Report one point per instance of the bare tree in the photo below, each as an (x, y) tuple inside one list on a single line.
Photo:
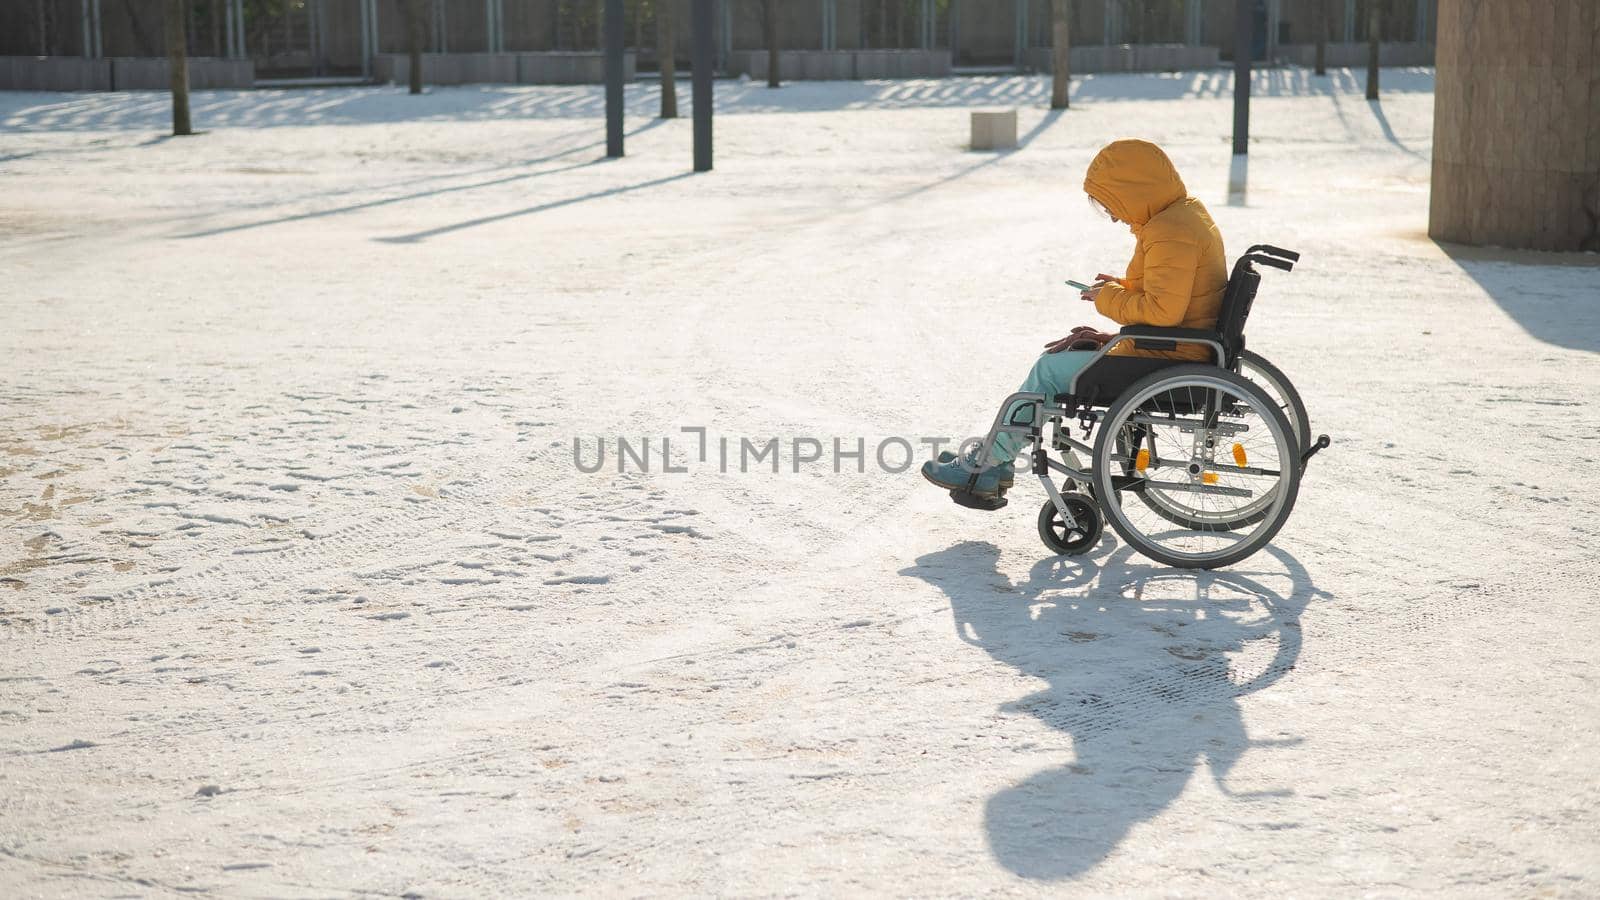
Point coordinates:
[(771, 9), (414, 43), (667, 50), (1060, 53), (178, 67), (42, 32), (1374, 32), (1322, 37)]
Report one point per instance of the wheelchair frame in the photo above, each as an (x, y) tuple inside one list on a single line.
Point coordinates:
[(1226, 344)]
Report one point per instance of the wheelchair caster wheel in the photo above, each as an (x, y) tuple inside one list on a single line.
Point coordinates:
[(1079, 539)]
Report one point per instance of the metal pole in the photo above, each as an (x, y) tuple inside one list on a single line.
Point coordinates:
[(99, 31), (1020, 50), (614, 26), (1242, 51), (704, 38)]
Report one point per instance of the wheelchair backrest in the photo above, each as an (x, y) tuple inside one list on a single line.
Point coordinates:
[(1236, 303), (1241, 293)]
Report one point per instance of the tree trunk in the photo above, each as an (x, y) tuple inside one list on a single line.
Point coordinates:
[(44, 32), (1322, 37), (667, 50), (178, 66), (1060, 53), (414, 43), (772, 44), (1374, 28)]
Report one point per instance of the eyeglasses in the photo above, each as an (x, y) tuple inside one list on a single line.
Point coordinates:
[(1099, 208)]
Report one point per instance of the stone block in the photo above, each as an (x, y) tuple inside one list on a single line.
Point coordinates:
[(994, 129)]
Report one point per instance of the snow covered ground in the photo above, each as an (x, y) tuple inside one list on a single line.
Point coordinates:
[(301, 592)]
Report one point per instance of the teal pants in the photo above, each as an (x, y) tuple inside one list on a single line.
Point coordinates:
[(1051, 375)]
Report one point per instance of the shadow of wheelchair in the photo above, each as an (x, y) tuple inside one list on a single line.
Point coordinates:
[(1144, 665)]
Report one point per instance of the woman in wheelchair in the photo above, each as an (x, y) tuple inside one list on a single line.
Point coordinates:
[(1198, 444), (1175, 279)]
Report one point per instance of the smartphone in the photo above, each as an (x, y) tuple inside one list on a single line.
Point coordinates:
[(1080, 286)]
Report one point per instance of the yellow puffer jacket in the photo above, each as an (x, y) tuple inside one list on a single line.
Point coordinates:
[(1178, 272)]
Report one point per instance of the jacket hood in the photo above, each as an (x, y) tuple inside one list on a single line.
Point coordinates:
[(1135, 180)]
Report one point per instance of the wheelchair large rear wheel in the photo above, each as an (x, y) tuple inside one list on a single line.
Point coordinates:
[(1281, 392), (1196, 467)]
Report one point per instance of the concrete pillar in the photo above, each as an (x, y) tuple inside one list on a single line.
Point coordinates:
[(1516, 124), (1193, 22), (1349, 21)]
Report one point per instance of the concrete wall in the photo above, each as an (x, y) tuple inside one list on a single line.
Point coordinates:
[(1130, 58), (843, 65), (54, 73), (554, 67), (67, 73), (1355, 55), (1516, 126), (204, 74)]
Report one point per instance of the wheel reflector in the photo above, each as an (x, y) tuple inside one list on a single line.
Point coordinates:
[(1142, 461), (1239, 456), (1209, 477)]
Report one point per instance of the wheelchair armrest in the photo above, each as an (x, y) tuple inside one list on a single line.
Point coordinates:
[(1151, 337)]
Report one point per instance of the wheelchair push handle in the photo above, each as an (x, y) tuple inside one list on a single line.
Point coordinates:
[(1268, 255), (1270, 250)]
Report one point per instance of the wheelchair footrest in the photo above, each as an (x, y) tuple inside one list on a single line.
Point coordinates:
[(973, 501)]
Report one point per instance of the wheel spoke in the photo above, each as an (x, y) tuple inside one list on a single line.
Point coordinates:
[(1200, 527)]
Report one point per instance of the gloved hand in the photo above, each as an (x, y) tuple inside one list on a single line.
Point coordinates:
[(1084, 337)]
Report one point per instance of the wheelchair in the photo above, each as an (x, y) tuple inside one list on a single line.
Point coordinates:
[(1195, 464)]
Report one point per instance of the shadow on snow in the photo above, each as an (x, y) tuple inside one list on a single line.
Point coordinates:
[(146, 110), (1555, 297), (1145, 666)]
